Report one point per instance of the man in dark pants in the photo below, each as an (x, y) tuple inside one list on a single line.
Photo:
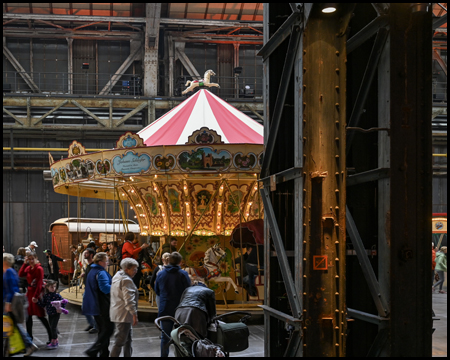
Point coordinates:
[(96, 302), (169, 286), (53, 266), (255, 253)]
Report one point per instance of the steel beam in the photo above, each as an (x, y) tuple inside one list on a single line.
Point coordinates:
[(438, 22), (14, 62), (95, 117), (366, 176), (282, 258), (151, 44), (135, 49), (124, 19), (13, 116), (186, 62), (280, 35), (366, 33), (324, 184), (38, 120), (117, 102), (367, 270), (366, 82), (281, 97), (130, 114), (361, 315), (440, 61)]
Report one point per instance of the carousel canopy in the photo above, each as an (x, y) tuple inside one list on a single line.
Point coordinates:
[(203, 109)]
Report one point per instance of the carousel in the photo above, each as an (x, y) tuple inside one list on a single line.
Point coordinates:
[(191, 174)]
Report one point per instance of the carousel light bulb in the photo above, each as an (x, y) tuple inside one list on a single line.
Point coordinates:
[(188, 226), (131, 207), (132, 191), (131, 178), (221, 188), (185, 187), (220, 202), (250, 203), (219, 213), (135, 216), (246, 214), (160, 204), (188, 214), (255, 188), (165, 227), (123, 194), (186, 203), (153, 233), (156, 176), (218, 226), (203, 232), (155, 188), (163, 214)]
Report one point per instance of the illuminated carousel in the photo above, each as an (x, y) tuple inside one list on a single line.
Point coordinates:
[(192, 174)]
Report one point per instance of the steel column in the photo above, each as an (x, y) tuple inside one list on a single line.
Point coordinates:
[(324, 117), (151, 44)]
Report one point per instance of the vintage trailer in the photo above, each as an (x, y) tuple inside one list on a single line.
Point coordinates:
[(73, 231)]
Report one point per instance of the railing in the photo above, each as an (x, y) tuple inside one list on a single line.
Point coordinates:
[(72, 83), (86, 83), (439, 92)]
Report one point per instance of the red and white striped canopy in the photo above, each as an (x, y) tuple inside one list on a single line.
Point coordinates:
[(203, 109)]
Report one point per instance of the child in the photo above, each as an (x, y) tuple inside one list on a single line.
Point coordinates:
[(53, 315)]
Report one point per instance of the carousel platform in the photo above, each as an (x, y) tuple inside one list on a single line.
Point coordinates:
[(75, 296)]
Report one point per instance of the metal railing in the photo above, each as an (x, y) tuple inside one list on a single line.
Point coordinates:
[(86, 83), (83, 83), (439, 92)]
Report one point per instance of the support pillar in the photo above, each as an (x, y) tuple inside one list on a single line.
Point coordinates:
[(152, 19)]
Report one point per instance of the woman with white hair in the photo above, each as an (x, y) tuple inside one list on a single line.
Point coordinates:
[(124, 304)]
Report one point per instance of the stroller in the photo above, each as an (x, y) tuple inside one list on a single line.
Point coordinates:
[(222, 338)]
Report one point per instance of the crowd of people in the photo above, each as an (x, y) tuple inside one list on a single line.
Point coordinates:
[(110, 301)]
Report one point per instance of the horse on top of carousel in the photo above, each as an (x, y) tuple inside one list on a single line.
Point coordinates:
[(192, 84), (210, 271)]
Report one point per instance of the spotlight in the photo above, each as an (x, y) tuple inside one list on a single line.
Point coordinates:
[(329, 8)]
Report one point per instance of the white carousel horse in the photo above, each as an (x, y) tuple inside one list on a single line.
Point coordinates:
[(210, 270), (203, 82)]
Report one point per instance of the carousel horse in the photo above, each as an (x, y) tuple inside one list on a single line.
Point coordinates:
[(210, 270), (203, 82)]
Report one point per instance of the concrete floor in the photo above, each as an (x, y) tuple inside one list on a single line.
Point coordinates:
[(74, 340)]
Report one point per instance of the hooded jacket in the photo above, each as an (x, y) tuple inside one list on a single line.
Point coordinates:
[(96, 299), (441, 261), (169, 286), (124, 298)]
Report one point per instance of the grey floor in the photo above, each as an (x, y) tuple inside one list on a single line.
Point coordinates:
[(74, 340)]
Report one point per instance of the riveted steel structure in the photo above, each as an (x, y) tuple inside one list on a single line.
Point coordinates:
[(367, 59)]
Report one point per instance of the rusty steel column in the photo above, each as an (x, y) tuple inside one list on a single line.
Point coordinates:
[(324, 106)]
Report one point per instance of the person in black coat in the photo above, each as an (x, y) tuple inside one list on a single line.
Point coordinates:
[(197, 308), (53, 266)]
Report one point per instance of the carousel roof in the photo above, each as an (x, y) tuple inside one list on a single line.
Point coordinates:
[(203, 109)]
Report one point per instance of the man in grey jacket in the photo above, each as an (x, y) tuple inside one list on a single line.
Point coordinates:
[(124, 303)]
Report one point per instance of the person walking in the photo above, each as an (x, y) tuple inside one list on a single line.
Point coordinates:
[(10, 287), (197, 307), (441, 268), (19, 259), (97, 302), (433, 264), (131, 249), (89, 254), (165, 260), (32, 247), (53, 266), (124, 305), (32, 270), (169, 286), (53, 315)]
